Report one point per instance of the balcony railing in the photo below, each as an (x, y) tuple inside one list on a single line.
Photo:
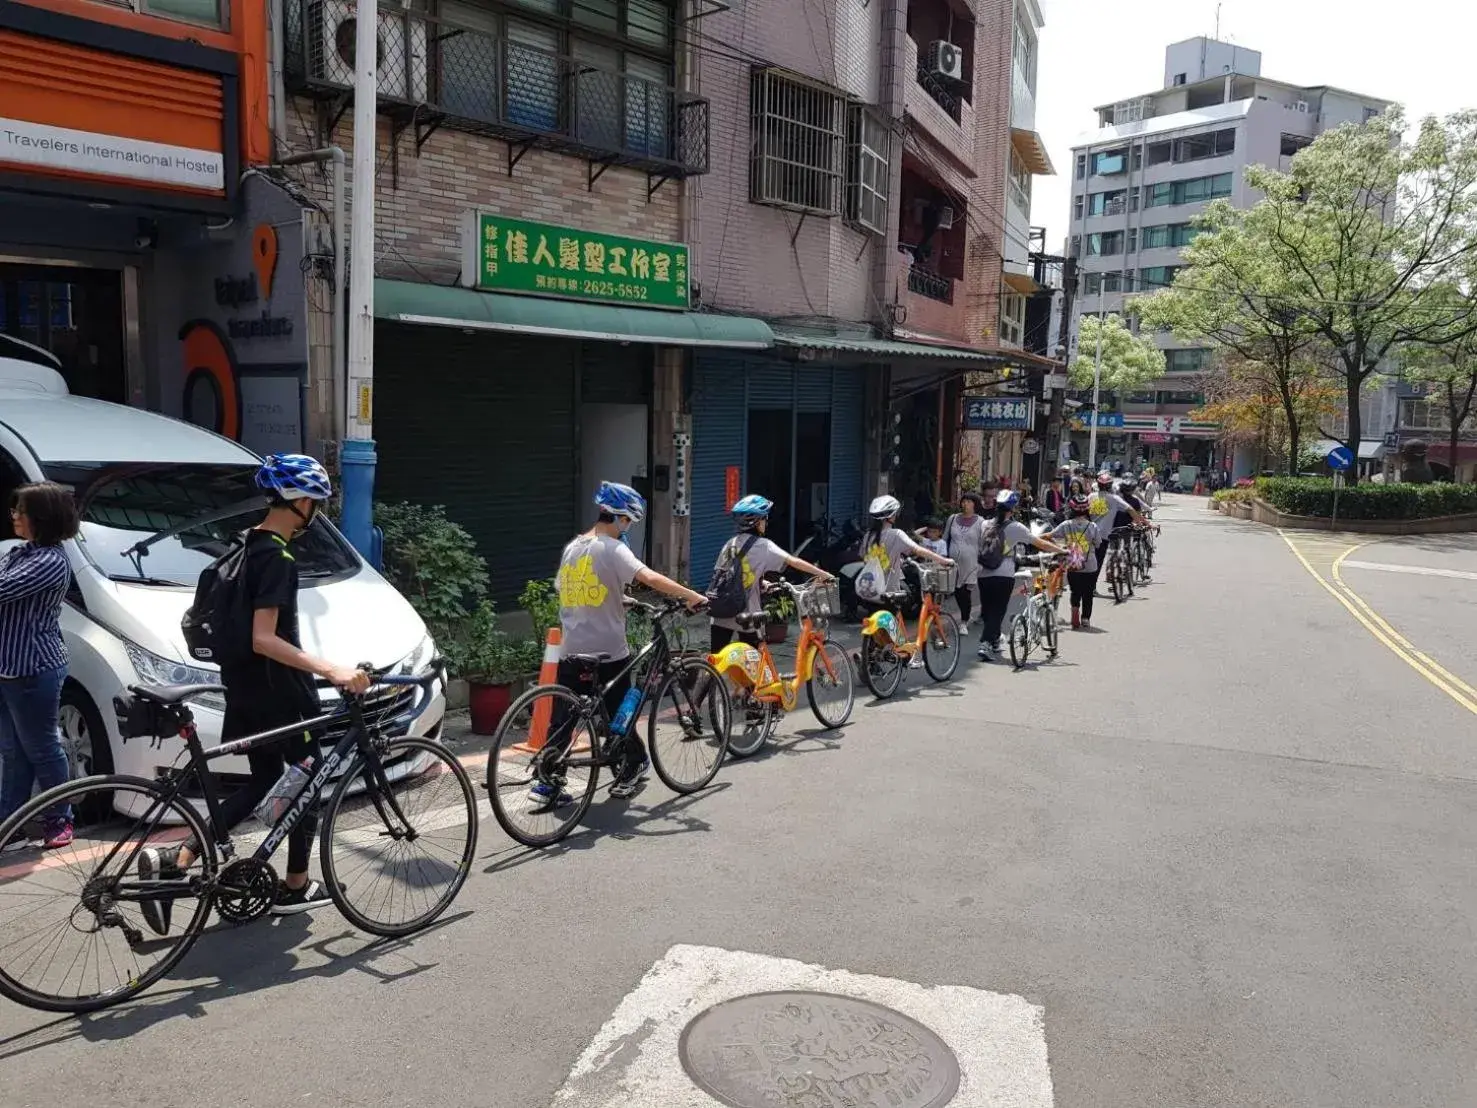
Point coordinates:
[(935, 88), (438, 73), (931, 285)]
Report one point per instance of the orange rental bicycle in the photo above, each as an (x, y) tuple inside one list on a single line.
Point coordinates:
[(761, 692), (886, 648)]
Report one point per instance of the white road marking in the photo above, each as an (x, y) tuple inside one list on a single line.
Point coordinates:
[(1424, 571), (999, 1039)]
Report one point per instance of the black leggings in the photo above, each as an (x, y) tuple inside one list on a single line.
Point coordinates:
[(577, 680), (267, 764), (719, 637), (965, 601), (1082, 583), (995, 593), (1102, 561)]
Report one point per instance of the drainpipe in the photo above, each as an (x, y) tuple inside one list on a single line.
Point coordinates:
[(335, 154), (279, 49)]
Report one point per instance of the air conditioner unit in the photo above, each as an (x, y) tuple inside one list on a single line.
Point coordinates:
[(401, 62), (946, 218), (1301, 106), (946, 60)]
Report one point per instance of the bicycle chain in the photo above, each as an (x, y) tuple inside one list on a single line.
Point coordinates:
[(245, 889)]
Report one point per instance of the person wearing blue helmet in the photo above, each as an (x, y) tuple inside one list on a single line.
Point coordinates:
[(594, 572), (757, 555), (272, 688), (1001, 536)]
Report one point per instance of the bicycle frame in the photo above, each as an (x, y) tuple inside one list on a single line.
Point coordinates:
[(892, 625), (357, 736), (769, 685)]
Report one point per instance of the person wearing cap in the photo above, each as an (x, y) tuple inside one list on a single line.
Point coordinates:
[(998, 583)]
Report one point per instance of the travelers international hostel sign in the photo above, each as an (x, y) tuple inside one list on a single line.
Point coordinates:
[(501, 254)]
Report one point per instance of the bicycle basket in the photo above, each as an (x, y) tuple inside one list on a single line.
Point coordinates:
[(939, 580), (820, 600)]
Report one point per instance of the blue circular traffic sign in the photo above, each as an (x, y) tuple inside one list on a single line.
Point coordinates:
[(1340, 457)]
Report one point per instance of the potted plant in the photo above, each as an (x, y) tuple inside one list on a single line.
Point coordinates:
[(489, 661), (780, 610)]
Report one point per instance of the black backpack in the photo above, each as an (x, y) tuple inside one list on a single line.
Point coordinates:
[(726, 594), (217, 625), (992, 545)]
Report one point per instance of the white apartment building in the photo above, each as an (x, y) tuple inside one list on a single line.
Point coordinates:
[(1154, 163)]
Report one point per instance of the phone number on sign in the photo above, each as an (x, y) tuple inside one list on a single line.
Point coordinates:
[(611, 288)]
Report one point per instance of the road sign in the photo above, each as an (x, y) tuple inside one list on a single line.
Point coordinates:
[(1340, 457)]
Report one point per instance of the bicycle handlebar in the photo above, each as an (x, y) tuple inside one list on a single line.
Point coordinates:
[(665, 607)]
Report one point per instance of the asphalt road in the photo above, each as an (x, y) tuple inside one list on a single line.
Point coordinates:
[(1222, 852)]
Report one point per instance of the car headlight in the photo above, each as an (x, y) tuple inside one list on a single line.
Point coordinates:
[(418, 661), (154, 670)]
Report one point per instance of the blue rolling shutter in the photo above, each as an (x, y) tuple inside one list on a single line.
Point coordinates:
[(771, 385), (719, 422), (848, 396), (813, 389)]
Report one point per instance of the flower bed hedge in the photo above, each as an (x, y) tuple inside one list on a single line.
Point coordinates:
[(1313, 496)]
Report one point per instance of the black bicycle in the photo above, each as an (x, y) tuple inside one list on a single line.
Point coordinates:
[(551, 744), (396, 844), (1120, 569)]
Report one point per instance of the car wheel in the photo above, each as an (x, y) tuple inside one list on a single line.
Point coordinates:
[(85, 741)]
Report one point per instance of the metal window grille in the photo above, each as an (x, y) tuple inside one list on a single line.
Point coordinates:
[(868, 154), (797, 136)]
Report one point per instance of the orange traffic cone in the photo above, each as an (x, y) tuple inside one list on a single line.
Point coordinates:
[(548, 674)]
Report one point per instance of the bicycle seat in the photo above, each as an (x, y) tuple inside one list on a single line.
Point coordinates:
[(171, 694), (586, 659), (751, 621)]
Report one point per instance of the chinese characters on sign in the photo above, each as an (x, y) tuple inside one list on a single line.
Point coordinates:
[(501, 254), (1084, 420), (991, 413)]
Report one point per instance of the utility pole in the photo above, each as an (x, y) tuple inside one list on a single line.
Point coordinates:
[(1097, 381), (357, 457)]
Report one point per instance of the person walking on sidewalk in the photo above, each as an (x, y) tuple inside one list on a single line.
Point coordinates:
[(33, 659), (1080, 537), (271, 687), (962, 536), (997, 568)]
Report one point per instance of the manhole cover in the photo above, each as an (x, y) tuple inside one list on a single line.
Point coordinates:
[(816, 1050)]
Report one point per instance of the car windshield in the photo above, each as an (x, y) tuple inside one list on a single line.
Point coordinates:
[(124, 505)]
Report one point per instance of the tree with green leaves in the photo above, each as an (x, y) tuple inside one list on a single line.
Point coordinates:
[(1359, 239), (1128, 360), (1229, 294), (1449, 370)]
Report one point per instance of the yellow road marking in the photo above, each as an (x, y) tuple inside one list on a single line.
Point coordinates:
[(1453, 687), (1394, 634)]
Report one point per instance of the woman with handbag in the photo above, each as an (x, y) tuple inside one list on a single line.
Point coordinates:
[(962, 543)]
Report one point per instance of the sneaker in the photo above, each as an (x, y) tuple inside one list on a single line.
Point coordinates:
[(1086, 623), (986, 653), (547, 796), (19, 843), (630, 783), (289, 902), (57, 834), (158, 863)]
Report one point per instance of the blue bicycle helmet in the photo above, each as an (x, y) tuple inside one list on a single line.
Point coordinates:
[(620, 500), (294, 477), (752, 508), (1007, 498)]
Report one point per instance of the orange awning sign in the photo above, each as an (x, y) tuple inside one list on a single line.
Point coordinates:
[(50, 148)]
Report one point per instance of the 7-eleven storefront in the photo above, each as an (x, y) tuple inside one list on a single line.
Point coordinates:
[(1161, 441)]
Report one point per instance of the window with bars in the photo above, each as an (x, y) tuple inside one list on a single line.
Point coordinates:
[(869, 151), (1106, 243), (1106, 203), (1189, 192), (1076, 246), (1190, 360), (1211, 145), (1133, 240), (1092, 284), (1012, 318), (1081, 166), (797, 136), (1020, 181)]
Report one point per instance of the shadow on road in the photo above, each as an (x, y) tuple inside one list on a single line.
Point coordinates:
[(241, 960)]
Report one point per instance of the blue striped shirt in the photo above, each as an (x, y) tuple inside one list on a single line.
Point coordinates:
[(33, 582)]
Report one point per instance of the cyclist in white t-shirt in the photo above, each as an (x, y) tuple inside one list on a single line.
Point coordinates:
[(759, 556)]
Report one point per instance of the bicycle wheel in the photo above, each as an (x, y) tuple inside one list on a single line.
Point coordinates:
[(1020, 640), (1143, 563), (942, 647), (1116, 574), (73, 937), (1048, 630), (754, 725), (831, 692), (395, 854), (537, 796), (882, 667), (687, 726)]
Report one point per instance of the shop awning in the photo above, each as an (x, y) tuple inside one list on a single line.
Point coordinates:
[(452, 306), (1031, 150), (1019, 282), (880, 350)]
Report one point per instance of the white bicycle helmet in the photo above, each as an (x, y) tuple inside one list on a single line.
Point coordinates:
[(884, 507)]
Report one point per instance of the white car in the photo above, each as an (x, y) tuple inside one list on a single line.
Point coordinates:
[(142, 476)]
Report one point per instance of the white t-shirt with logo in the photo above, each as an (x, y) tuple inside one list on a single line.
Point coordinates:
[(763, 557), (1103, 509), (594, 571), (889, 549)]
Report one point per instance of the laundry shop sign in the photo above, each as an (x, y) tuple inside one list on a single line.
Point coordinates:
[(503, 254)]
